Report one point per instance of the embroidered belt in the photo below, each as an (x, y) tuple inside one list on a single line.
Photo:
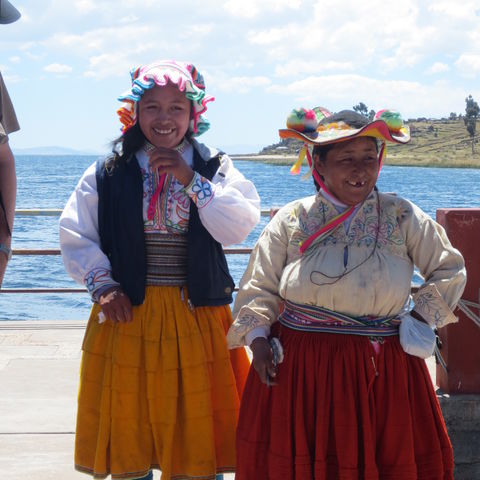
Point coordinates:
[(166, 259), (311, 318)]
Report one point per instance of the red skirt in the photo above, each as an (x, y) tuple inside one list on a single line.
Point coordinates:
[(341, 411)]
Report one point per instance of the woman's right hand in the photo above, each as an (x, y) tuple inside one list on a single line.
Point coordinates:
[(263, 360), (115, 305)]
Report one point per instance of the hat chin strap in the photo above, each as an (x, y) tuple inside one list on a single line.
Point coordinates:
[(305, 245), (381, 156), (315, 174)]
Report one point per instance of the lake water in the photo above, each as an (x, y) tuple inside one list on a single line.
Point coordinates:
[(47, 181)]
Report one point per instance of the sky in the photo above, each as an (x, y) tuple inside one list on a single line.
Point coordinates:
[(66, 62)]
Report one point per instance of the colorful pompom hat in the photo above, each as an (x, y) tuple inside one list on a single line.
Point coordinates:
[(318, 126), (184, 75), (387, 126)]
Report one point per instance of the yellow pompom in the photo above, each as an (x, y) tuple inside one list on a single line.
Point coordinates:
[(295, 170)]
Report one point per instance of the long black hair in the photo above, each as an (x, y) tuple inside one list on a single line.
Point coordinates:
[(130, 142), (126, 144), (321, 151)]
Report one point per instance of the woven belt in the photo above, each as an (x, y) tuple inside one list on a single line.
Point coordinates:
[(166, 259), (311, 318)]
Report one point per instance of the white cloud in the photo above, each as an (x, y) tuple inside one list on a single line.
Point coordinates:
[(299, 67), (336, 92), (463, 10), (107, 65), (253, 8), (15, 59), (137, 43), (11, 79), (469, 63), (57, 68), (438, 67), (390, 35), (278, 53), (85, 6), (386, 33), (25, 46), (273, 35), (202, 30), (132, 18), (322, 90), (35, 57), (242, 84)]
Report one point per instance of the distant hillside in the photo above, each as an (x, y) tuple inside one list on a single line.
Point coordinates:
[(434, 143), (438, 142), (53, 150)]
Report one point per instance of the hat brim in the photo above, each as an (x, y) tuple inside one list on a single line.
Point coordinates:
[(8, 13), (377, 129)]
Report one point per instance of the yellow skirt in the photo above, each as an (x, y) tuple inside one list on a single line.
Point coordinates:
[(160, 392)]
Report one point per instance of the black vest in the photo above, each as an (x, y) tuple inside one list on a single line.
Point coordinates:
[(120, 225)]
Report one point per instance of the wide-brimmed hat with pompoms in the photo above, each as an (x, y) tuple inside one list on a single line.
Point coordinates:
[(187, 78), (318, 126)]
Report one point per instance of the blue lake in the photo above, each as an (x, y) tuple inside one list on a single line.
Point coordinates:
[(47, 181)]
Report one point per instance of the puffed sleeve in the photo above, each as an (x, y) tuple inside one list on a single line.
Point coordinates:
[(257, 303), (441, 265), (228, 206), (79, 238)]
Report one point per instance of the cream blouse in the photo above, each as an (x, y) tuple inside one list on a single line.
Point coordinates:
[(366, 270)]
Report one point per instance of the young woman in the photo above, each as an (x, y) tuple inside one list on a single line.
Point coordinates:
[(143, 231)]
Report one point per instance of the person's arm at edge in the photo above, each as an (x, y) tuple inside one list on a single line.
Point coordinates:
[(8, 188)]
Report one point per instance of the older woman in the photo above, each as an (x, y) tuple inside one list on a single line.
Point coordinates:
[(329, 280)]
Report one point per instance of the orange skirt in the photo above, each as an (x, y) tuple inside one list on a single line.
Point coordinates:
[(342, 412), (160, 392)]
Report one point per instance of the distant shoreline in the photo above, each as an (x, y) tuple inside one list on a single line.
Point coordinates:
[(392, 160), (437, 143)]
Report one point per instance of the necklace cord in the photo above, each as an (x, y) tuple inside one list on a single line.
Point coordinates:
[(346, 271)]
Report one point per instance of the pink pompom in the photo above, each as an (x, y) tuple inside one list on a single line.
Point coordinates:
[(302, 120)]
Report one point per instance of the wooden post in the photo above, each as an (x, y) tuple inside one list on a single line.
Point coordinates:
[(461, 341)]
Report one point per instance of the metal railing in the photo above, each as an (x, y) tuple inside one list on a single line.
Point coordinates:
[(51, 212)]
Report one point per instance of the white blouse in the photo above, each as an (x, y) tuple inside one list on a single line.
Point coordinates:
[(228, 206)]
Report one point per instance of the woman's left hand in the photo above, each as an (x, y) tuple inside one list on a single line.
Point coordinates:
[(169, 160)]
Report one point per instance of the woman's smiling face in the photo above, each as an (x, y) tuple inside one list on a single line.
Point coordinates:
[(164, 115), (350, 169)]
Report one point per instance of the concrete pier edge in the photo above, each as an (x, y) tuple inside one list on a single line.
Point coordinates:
[(462, 418), (39, 363)]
